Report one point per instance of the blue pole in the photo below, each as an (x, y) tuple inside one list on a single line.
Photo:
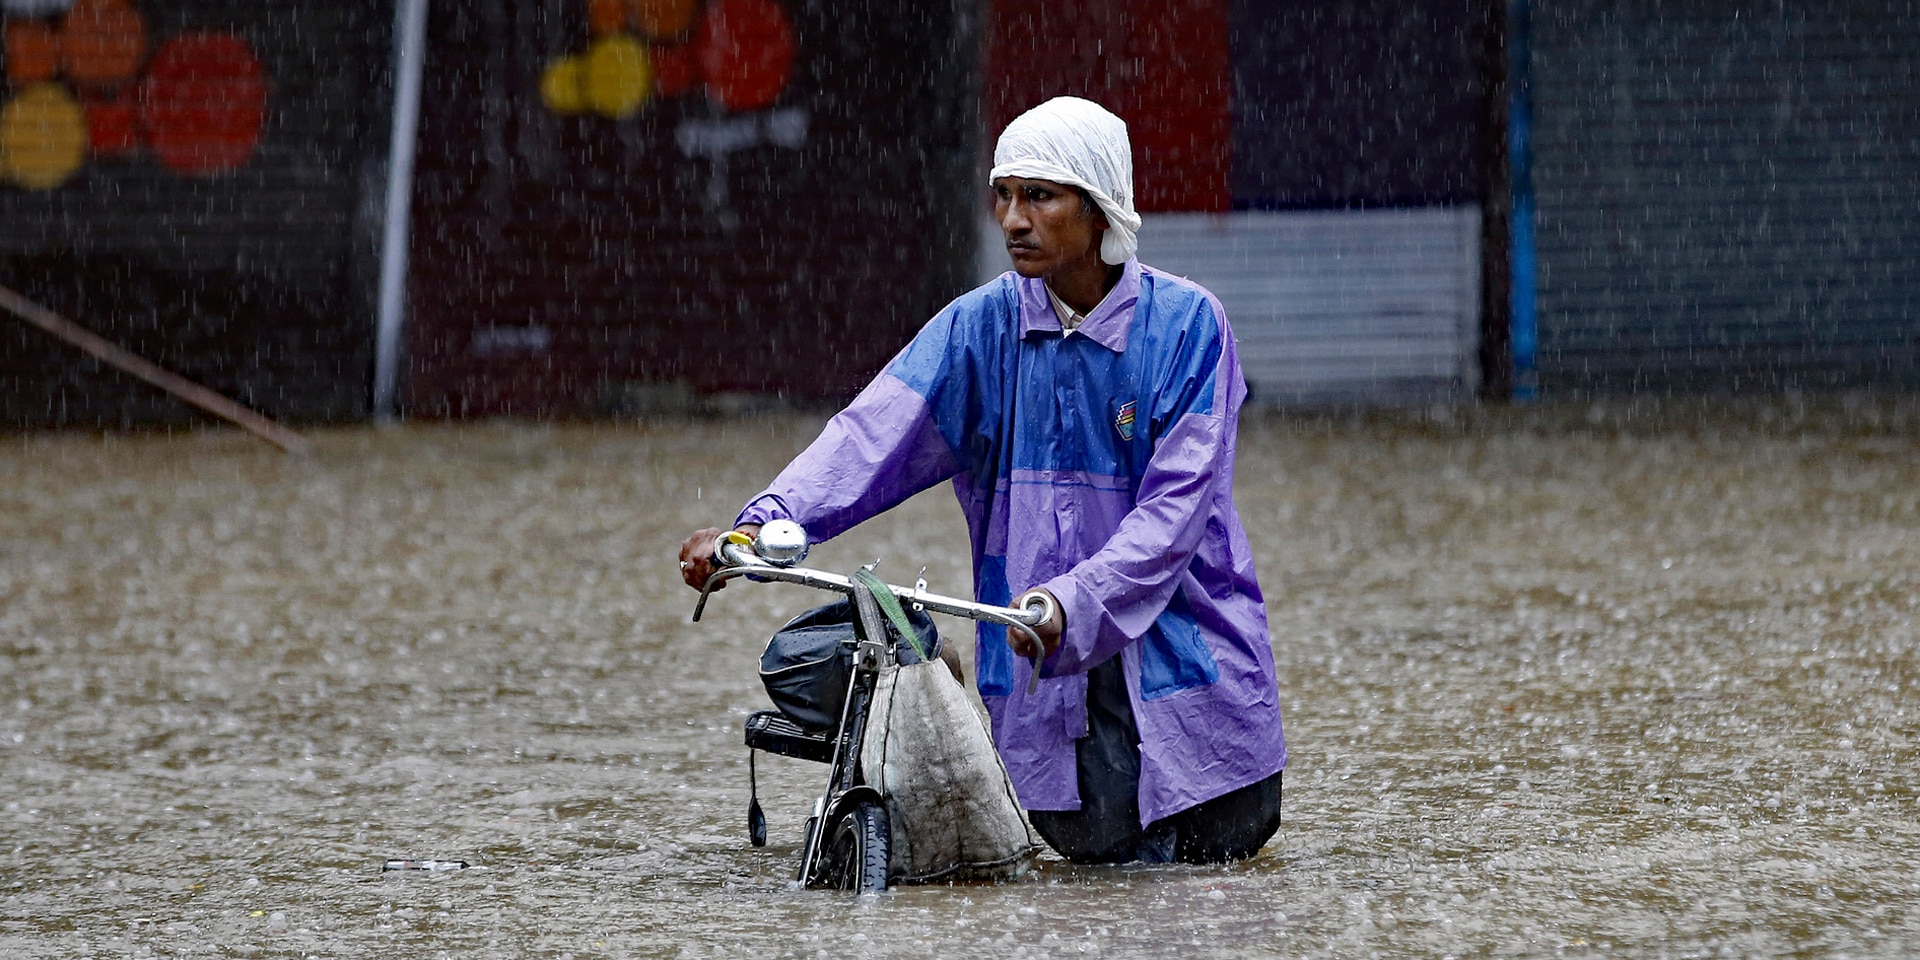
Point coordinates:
[(1524, 339)]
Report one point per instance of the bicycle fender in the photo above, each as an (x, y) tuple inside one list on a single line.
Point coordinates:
[(848, 798)]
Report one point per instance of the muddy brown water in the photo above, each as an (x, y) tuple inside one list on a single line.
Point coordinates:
[(1575, 681)]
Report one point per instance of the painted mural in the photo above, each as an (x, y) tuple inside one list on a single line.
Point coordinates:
[(86, 82), (740, 52), (670, 213)]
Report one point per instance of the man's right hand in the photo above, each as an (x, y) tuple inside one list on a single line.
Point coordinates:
[(696, 554)]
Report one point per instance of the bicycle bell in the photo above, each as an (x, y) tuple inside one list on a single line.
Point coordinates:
[(781, 543)]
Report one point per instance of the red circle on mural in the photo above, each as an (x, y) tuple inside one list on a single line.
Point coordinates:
[(203, 103), (745, 49), (674, 69), (113, 126)]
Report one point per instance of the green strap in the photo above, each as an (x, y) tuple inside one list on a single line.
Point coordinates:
[(890, 605)]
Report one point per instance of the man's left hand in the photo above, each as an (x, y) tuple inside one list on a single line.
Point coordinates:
[(1049, 631)]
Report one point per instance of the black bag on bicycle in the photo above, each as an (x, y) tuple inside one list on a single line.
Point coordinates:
[(809, 662)]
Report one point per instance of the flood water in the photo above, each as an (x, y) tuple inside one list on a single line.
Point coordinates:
[(1573, 681)]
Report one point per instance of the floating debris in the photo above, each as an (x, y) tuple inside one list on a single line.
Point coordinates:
[(423, 865)]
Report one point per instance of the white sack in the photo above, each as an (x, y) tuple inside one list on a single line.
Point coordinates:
[(1076, 142), (949, 802)]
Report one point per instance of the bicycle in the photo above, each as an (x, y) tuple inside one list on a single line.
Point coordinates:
[(846, 840)]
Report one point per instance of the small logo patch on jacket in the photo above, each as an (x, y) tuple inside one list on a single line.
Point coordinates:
[(1123, 421)]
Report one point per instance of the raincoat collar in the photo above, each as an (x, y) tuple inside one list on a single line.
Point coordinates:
[(1107, 325)]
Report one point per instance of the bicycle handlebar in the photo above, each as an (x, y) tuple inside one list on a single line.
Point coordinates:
[(740, 561)]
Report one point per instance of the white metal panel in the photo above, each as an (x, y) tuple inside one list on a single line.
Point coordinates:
[(1332, 306), (1338, 305)]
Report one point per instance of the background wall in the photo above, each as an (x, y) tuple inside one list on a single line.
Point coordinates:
[(573, 259), (227, 241), (1321, 168), (770, 195), (1729, 195)]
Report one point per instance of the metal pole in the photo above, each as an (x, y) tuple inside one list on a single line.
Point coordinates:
[(409, 56)]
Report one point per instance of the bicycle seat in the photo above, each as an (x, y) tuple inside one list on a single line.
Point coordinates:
[(771, 731)]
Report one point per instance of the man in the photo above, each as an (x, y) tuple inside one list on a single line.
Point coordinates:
[(1085, 407)]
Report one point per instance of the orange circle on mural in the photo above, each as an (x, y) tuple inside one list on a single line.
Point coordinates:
[(663, 18), (606, 16), (103, 42), (674, 69), (33, 51), (203, 103), (745, 49), (43, 137)]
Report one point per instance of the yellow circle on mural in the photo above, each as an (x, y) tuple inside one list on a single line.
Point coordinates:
[(560, 86), (616, 76), (43, 137)]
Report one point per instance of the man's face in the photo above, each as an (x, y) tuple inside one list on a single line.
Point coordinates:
[(1046, 224)]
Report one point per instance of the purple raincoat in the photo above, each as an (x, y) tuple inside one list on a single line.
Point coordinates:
[(1098, 464)]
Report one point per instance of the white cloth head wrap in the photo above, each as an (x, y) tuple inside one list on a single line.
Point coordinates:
[(1076, 142)]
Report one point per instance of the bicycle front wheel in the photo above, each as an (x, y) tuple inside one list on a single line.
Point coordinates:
[(857, 852)]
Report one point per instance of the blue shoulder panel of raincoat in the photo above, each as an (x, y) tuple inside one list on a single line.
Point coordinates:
[(966, 357)]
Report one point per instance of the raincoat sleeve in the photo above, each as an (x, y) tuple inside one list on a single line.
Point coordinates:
[(1111, 598), (883, 448)]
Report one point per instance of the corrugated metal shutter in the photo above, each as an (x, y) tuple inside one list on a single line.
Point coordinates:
[(1331, 306), (1729, 194), (1337, 306)]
